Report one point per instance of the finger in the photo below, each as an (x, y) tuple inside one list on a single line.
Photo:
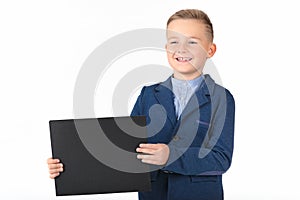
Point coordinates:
[(151, 146), (52, 161), (142, 156), (55, 166), (54, 171), (146, 158), (146, 150), (54, 175), (152, 162)]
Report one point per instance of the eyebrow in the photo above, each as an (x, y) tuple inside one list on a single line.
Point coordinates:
[(195, 38), (174, 37)]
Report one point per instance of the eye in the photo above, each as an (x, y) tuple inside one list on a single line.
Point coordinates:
[(193, 42), (173, 42)]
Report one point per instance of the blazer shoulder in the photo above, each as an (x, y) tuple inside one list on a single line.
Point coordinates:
[(149, 89), (218, 90)]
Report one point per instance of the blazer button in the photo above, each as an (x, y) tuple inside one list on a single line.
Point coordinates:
[(176, 138), (167, 172)]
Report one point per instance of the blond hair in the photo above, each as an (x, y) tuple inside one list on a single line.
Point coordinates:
[(197, 15)]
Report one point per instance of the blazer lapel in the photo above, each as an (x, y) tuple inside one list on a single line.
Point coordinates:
[(165, 97)]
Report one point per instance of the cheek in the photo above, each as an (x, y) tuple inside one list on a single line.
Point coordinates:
[(199, 52), (199, 60), (169, 56)]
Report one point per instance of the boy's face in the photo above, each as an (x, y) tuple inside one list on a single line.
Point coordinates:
[(188, 47)]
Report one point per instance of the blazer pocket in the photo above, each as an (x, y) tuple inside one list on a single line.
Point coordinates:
[(205, 178), (202, 123)]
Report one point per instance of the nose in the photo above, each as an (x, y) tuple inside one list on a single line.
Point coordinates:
[(181, 48), (181, 51)]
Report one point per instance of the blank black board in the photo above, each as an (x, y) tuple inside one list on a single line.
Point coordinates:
[(84, 173)]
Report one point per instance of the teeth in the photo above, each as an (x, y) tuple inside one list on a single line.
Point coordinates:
[(184, 59)]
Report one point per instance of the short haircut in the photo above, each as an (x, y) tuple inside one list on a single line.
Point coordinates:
[(197, 15)]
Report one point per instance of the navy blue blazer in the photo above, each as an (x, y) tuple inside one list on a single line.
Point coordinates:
[(200, 141)]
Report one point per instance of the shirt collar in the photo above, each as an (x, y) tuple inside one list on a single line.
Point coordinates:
[(194, 83)]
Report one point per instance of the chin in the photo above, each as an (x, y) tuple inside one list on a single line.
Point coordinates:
[(185, 71)]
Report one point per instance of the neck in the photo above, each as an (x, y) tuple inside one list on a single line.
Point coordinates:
[(186, 76)]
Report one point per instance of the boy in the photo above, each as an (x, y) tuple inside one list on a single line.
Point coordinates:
[(194, 147)]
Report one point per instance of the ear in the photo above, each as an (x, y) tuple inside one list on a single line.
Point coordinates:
[(212, 50)]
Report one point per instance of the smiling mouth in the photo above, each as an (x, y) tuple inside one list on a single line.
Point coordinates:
[(183, 59)]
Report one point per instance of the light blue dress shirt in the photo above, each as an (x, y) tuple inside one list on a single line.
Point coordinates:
[(183, 90)]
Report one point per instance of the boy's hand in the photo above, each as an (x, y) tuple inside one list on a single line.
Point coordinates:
[(55, 167), (157, 154)]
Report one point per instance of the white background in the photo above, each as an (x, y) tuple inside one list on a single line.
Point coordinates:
[(44, 43)]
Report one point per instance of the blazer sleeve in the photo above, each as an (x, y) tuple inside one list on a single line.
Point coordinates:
[(218, 159)]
